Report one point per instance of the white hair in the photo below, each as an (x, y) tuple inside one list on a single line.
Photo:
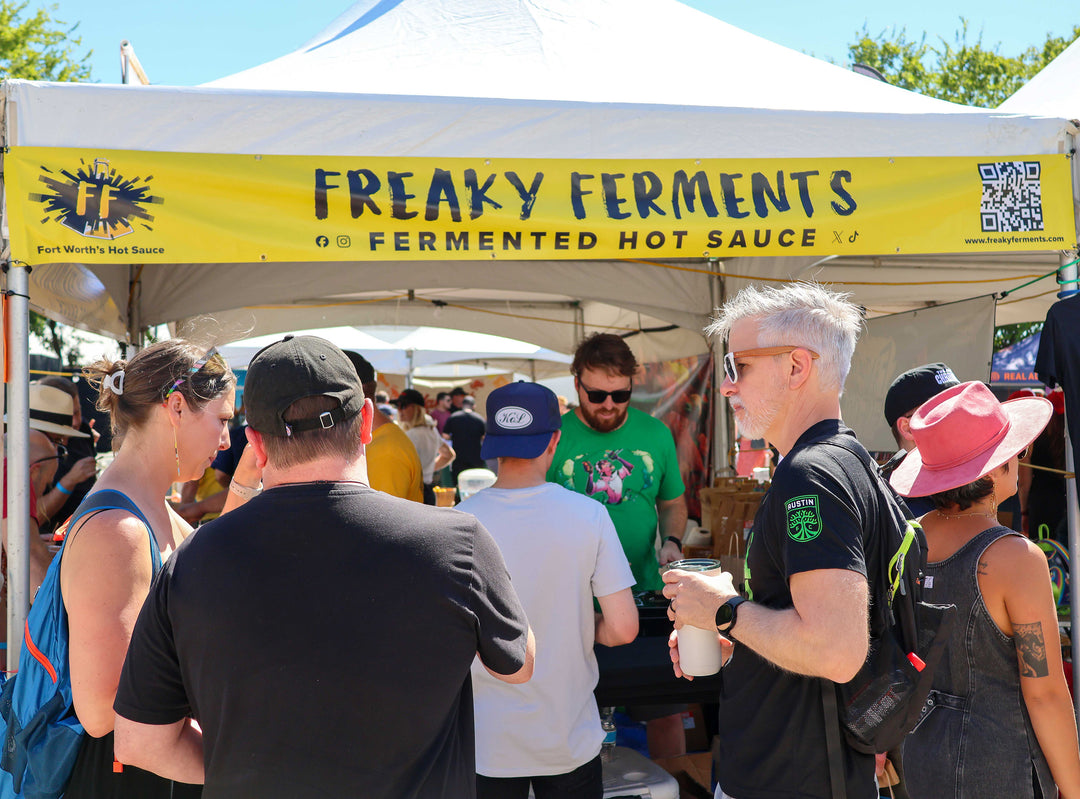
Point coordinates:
[(799, 314)]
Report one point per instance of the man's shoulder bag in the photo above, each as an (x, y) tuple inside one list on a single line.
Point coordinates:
[(885, 699)]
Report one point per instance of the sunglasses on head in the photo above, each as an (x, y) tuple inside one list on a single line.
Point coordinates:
[(596, 396), (732, 372)]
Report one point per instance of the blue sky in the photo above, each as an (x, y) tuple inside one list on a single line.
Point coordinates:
[(191, 42)]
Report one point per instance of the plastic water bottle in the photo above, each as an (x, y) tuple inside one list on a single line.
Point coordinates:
[(607, 724)]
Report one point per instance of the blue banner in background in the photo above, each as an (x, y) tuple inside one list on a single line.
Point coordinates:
[(1015, 365)]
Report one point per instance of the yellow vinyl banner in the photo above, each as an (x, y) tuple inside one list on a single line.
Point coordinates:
[(116, 206)]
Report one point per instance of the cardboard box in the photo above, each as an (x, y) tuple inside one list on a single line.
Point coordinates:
[(693, 772), (697, 739)]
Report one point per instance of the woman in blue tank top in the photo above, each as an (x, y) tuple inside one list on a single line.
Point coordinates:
[(169, 406), (999, 720)]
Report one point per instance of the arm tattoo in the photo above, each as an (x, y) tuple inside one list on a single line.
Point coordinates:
[(1031, 649), (984, 567)]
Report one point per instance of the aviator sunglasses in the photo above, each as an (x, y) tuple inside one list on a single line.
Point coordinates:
[(596, 396), (732, 373)]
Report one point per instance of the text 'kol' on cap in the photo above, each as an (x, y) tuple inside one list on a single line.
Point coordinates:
[(520, 420)]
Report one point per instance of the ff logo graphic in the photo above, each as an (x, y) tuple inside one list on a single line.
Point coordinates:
[(803, 518), (322, 241), (95, 201)]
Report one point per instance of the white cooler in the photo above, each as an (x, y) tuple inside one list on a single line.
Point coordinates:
[(629, 773)]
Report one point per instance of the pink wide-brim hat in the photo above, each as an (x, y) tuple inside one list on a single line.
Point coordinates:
[(962, 434)]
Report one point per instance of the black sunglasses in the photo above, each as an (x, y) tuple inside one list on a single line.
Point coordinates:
[(61, 454), (596, 396)]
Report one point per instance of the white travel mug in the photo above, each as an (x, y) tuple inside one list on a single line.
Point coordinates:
[(699, 650)]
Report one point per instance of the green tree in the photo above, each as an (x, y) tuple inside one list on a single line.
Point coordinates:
[(38, 47), (960, 71), (1007, 335)]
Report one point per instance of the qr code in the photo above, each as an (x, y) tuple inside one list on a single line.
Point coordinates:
[(1011, 196)]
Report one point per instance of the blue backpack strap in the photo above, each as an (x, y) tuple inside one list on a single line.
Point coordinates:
[(111, 499)]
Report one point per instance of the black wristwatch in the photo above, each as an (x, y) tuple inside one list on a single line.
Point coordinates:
[(676, 541), (727, 614)]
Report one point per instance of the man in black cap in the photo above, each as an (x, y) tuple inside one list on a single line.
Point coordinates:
[(907, 392), (310, 675)]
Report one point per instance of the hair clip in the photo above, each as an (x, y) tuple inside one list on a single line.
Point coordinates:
[(115, 382), (195, 368)]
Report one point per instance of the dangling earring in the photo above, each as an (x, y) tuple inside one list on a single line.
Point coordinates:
[(176, 449)]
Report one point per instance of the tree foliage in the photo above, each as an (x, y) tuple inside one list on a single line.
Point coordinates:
[(38, 47), (960, 71), (1007, 335)]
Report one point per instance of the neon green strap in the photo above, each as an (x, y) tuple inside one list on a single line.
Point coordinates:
[(896, 563)]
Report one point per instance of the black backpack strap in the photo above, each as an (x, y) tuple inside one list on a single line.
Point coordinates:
[(833, 742)]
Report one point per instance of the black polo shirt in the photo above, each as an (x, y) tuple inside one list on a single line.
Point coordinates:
[(819, 513)]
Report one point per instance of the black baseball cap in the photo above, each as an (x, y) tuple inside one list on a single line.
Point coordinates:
[(409, 396), (291, 369), (916, 386)]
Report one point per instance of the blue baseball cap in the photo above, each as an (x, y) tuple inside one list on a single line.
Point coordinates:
[(520, 420)]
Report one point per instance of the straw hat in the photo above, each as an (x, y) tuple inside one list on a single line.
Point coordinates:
[(964, 433), (50, 412)]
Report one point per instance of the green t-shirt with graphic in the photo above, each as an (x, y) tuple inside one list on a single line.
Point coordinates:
[(628, 470)]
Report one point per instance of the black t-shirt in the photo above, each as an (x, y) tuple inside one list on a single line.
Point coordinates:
[(1058, 361), (466, 430), (919, 506), (322, 635), (819, 513), (227, 460)]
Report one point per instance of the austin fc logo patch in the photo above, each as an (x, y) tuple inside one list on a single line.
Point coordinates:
[(803, 518)]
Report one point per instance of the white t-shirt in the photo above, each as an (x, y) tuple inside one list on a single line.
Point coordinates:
[(561, 550), (427, 440)]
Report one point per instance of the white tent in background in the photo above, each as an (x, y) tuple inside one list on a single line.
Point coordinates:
[(422, 351), (1055, 91)]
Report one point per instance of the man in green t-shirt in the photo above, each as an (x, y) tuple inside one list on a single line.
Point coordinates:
[(626, 459)]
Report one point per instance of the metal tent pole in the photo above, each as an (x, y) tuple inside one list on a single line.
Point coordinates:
[(18, 459)]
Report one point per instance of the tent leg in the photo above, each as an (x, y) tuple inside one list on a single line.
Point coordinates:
[(18, 460)]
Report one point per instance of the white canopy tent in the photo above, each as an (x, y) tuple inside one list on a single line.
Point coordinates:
[(1055, 90), (421, 351), (576, 80), (571, 79)]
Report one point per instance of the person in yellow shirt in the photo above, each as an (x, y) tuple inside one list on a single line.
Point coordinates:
[(393, 465)]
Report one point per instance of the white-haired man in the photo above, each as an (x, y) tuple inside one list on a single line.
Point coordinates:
[(805, 613)]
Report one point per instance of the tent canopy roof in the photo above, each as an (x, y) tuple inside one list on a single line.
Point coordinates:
[(596, 51), (1054, 91), (566, 79)]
